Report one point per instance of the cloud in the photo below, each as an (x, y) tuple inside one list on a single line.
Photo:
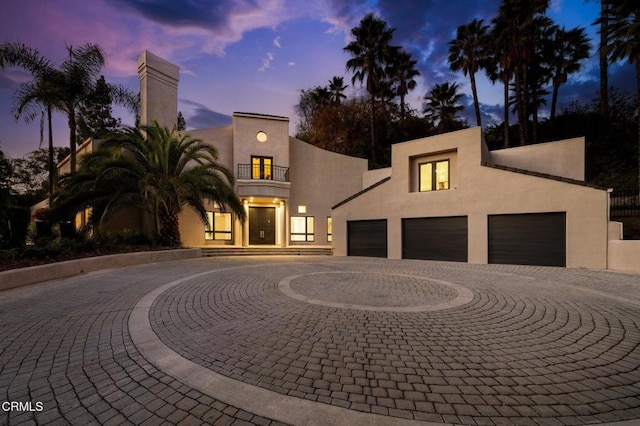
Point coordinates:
[(203, 117), (291, 64), (266, 62), (276, 42)]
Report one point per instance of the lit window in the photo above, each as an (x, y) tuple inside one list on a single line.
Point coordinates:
[(302, 228), (434, 176), (221, 223), (261, 167), (302, 209), (261, 136), (329, 229)]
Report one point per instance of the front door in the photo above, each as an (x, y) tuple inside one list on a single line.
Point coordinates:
[(262, 225)]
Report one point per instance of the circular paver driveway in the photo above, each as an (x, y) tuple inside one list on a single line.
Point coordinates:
[(324, 340)]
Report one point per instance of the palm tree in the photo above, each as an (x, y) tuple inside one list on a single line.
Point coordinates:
[(403, 73), (155, 168), (466, 53), (568, 49), (442, 106), (336, 89), (497, 65), (370, 52), (73, 81), (35, 97), (603, 60), (515, 28), (623, 37)]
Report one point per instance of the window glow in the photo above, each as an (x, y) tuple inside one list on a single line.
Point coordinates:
[(434, 176), (222, 225), (329, 229), (261, 136), (302, 209), (302, 228)]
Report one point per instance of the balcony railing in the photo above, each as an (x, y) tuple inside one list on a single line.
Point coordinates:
[(250, 171)]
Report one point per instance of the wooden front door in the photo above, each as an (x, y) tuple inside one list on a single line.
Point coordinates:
[(262, 225)]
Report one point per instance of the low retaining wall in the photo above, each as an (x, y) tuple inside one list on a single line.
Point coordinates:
[(624, 255), (35, 274)]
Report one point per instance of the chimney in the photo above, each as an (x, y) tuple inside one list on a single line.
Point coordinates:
[(158, 90)]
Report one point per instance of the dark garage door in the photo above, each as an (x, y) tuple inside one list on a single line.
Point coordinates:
[(528, 239), (435, 238), (367, 238)]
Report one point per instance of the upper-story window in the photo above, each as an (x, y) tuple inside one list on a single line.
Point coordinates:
[(261, 167), (433, 176)]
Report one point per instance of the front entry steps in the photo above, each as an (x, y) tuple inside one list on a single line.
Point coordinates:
[(265, 251)]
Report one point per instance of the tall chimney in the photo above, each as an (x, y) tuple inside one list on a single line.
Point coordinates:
[(158, 90)]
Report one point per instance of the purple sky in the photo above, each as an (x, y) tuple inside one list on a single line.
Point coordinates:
[(256, 55)]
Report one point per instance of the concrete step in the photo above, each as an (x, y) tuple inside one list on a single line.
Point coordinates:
[(267, 251)]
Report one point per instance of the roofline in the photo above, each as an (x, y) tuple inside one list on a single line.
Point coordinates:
[(256, 115), (357, 194), (543, 175)]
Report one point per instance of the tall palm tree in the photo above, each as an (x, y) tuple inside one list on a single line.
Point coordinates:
[(623, 26), (35, 97), (336, 89), (603, 60), (403, 73), (370, 53), (73, 80), (497, 65), (466, 53), (568, 49), (515, 28), (442, 106), (155, 168)]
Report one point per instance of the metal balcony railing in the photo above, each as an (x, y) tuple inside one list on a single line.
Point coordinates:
[(625, 203), (250, 171)]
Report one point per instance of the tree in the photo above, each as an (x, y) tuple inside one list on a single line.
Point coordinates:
[(336, 90), (403, 72), (498, 67), (514, 29), (602, 56), (154, 168), (30, 172), (370, 52), (623, 38), (181, 122), (94, 117), (568, 49), (72, 83), (442, 106), (466, 53), (36, 97)]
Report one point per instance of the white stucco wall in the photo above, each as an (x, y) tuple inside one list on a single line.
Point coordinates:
[(158, 90), (624, 256), (320, 179), (565, 158)]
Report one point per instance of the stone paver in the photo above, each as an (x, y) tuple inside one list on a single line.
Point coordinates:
[(531, 346)]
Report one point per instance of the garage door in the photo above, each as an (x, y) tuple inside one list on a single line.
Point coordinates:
[(367, 238), (528, 239), (435, 238)]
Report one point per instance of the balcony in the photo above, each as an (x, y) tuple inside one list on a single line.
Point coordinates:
[(263, 172)]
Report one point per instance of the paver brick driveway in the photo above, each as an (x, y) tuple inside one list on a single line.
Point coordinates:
[(322, 341)]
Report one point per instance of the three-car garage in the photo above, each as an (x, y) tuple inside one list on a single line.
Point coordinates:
[(519, 239)]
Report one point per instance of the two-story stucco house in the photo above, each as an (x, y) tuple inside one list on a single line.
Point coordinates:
[(287, 186), (444, 197)]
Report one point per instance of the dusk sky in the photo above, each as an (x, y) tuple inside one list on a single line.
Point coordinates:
[(256, 55)]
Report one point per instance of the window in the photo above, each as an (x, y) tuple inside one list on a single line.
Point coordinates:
[(302, 228), (221, 224), (434, 176), (329, 229), (261, 167), (261, 136)]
